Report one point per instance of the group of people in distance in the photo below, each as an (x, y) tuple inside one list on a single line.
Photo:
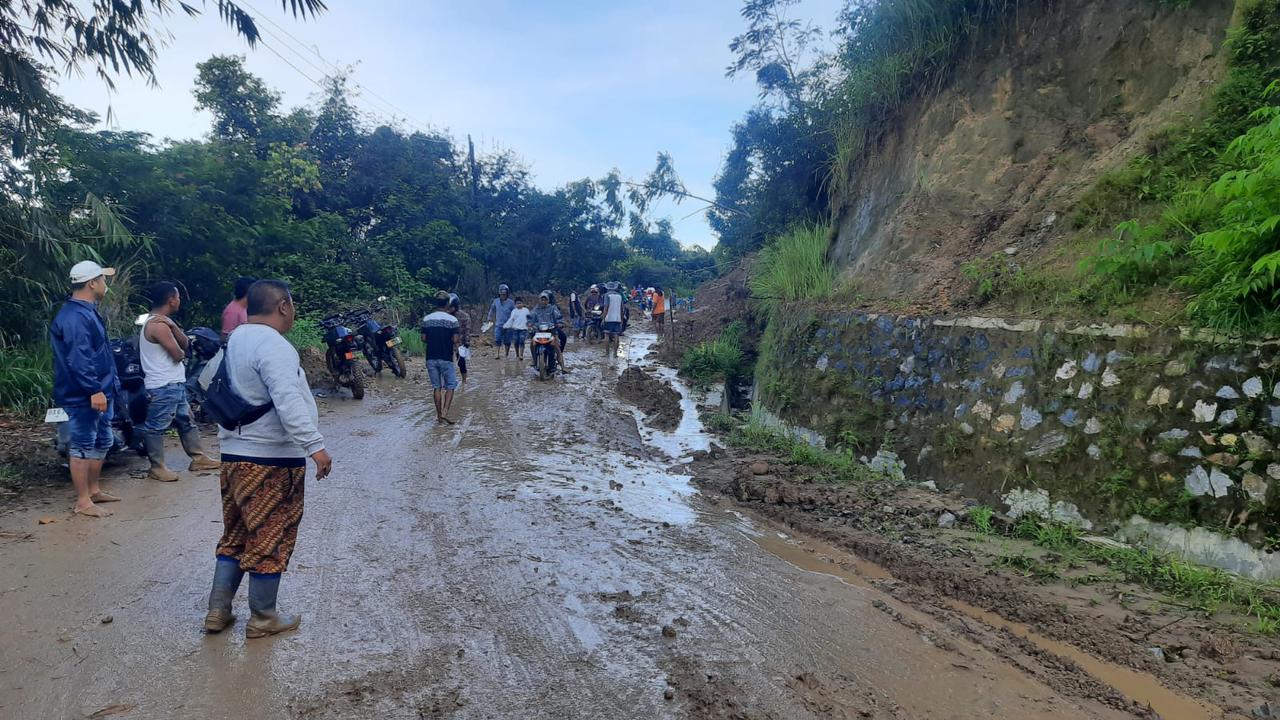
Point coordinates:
[(512, 319)]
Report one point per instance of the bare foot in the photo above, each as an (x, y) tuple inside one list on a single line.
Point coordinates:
[(447, 421), (103, 497), (92, 511)]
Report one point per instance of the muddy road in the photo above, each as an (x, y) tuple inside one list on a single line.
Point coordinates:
[(544, 558)]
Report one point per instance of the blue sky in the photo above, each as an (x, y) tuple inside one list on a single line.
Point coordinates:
[(576, 88)]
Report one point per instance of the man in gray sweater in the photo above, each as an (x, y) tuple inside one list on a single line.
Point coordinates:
[(264, 464)]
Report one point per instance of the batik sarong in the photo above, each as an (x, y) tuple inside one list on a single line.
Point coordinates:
[(261, 510)]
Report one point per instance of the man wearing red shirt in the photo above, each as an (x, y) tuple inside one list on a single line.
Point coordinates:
[(236, 312)]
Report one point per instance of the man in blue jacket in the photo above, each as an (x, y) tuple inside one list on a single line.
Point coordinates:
[(84, 382)]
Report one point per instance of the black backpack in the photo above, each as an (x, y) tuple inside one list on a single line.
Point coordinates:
[(225, 405)]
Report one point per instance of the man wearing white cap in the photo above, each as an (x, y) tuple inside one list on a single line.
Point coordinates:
[(84, 382)]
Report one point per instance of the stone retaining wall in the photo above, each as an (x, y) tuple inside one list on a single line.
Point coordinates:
[(1094, 422)]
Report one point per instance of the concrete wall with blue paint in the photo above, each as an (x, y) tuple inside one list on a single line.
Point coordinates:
[(1099, 422)]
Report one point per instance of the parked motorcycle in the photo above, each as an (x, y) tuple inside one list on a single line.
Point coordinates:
[(340, 355), (204, 344), (544, 353), (380, 342)]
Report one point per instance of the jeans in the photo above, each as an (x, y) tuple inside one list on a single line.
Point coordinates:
[(501, 335), (517, 337), (443, 374), (90, 431), (168, 406)]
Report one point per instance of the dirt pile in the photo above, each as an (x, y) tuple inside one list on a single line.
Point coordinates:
[(659, 402), (27, 457), (716, 303), (317, 370)]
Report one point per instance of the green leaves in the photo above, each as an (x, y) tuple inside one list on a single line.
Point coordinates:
[(793, 267), (1239, 256)]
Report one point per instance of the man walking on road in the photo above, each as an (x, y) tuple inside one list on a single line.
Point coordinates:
[(613, 307), (162, 347), (441, 335), (84, 383), (264, 464), (500, 312), (235, 313), (659, 310)]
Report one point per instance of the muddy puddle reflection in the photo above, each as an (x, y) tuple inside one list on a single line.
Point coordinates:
[(1141, 688)]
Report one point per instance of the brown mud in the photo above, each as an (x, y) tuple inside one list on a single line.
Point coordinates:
[(1103, 633), (537, 560), (716, 304), (28, 460), (656, 399)]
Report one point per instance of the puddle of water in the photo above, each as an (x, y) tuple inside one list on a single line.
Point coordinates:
[(1136, 686), (648, 491), (689, 436)]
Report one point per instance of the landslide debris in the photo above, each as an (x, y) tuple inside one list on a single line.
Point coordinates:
[(659, 402)]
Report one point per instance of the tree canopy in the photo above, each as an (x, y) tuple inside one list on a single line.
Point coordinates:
[(344, 209)]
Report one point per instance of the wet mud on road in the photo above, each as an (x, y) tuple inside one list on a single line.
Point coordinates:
[(544, 558)]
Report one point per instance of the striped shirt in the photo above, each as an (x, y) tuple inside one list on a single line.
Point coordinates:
[(439, 329)]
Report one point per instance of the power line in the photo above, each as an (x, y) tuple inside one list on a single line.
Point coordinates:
[(333, 69), (285, 60)]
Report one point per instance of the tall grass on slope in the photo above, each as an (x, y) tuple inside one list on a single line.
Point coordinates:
[(894, 50), (793, 267), (26, 378), (719, 359)]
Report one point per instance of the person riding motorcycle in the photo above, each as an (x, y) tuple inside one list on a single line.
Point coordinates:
[(547, 313), (561, 335), (593, 302)]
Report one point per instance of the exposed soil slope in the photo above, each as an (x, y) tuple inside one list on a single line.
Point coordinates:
[(1030, 119)]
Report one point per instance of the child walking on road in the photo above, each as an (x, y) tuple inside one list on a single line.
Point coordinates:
[(516, 328)]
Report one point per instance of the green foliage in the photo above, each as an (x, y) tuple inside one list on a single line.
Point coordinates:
[(718, 360), (411, 343), (839, 467), (719, 422), (344, 212), (26, 378), (1236, 261), (999, 275), (306, 332), (106, 38), (793, 267), (981, 517), (1208, 588), (1207, 191)]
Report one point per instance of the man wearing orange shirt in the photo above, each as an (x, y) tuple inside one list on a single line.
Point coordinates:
[(659, 308)]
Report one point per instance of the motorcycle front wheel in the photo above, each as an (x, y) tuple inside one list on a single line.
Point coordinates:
[(543, 365), (393, 362)]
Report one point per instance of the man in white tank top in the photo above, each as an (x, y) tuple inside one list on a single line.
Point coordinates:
[(162, 346)]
